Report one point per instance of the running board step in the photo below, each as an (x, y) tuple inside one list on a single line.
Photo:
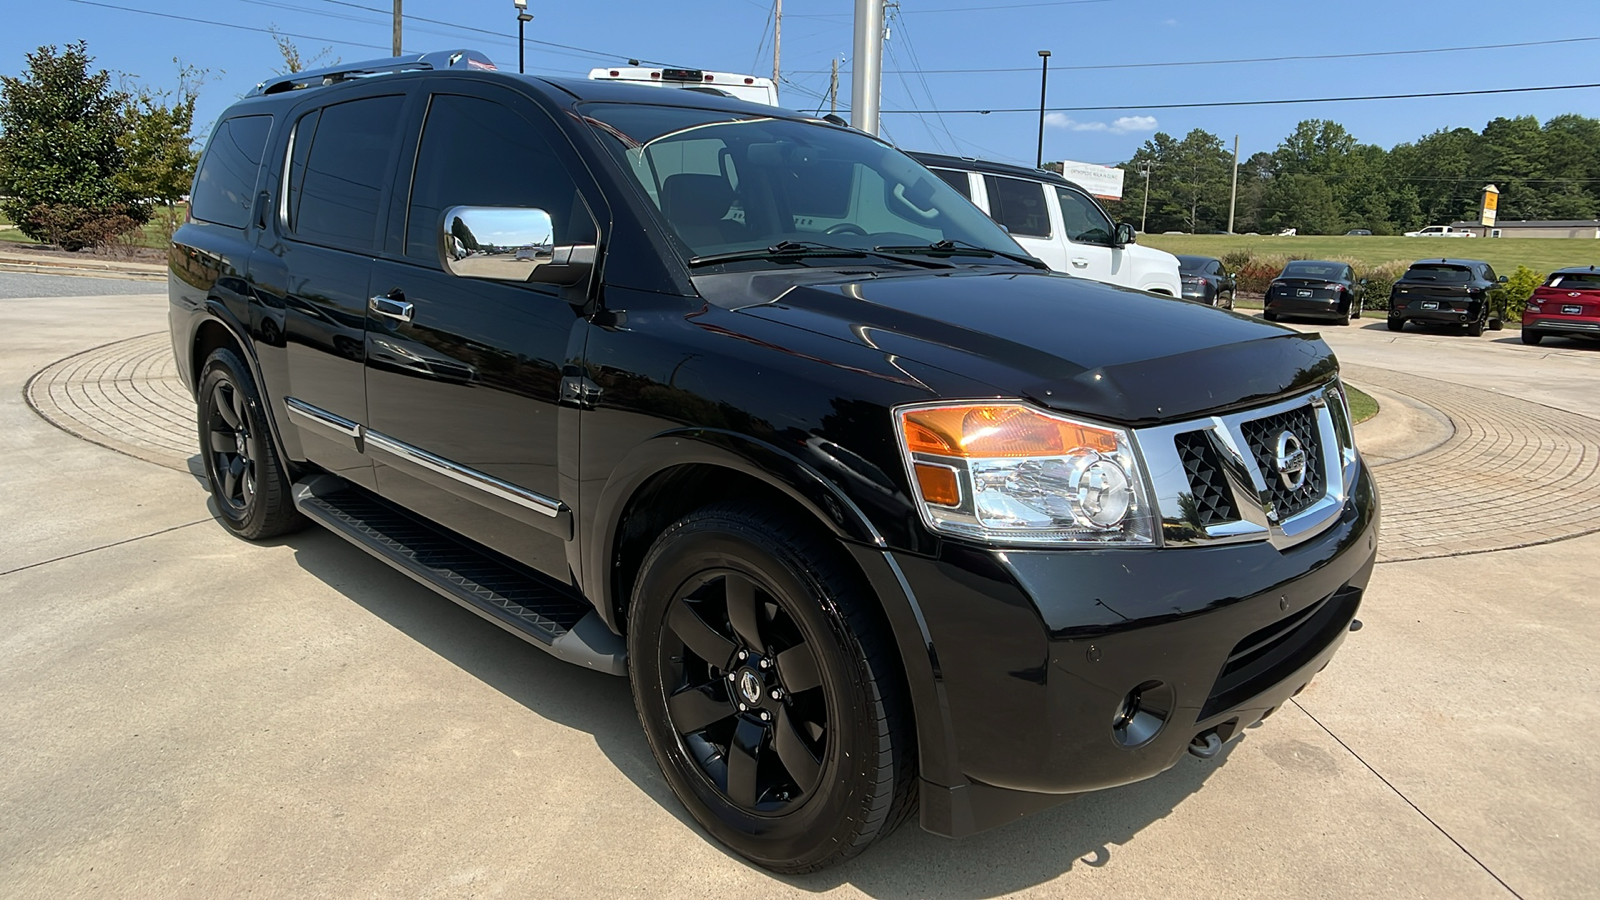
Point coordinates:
[(524, 603)]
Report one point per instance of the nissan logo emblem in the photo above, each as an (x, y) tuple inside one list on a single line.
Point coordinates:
[(1291, 461), (750, 687)]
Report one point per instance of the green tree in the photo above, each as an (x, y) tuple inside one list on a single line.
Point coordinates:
[(1189, 183), (59, 149), (158, 143)]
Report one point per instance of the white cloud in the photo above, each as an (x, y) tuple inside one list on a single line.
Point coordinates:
[(1123, 125), (1170, 23)]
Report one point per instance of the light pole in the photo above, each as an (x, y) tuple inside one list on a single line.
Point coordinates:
[(1044, 83), (523, 18)]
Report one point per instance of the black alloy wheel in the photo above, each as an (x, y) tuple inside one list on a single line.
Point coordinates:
[(767, 685), (745, 695), (248, 482)]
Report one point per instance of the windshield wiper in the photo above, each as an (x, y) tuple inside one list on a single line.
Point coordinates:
[(949, 245), (808, 250)]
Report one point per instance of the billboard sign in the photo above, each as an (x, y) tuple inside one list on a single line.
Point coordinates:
[(1104, 182)]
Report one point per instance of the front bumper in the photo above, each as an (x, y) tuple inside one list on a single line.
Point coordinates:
[(1038, 650)]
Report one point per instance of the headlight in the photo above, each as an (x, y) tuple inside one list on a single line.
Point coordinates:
[(1011, 474)]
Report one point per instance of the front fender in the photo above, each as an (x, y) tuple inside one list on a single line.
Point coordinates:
[(830, 506)]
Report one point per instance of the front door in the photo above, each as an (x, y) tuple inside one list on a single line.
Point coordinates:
[(464, 375)]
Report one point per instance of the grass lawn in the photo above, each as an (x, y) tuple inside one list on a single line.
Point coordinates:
[(1362, 406), (1505, 254)]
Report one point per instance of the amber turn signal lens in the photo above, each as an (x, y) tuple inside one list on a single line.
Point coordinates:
[(938, 485), (990, 431)]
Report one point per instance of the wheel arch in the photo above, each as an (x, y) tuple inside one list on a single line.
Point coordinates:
[(672, 474), (218, 329)]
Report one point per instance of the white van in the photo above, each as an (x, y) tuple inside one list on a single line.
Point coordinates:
[(744, 87), (1058, 222)]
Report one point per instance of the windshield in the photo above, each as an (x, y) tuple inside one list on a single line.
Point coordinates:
[(729, 182), (1446, 274), (1313, 270)]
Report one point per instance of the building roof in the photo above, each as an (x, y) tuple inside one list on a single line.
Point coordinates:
[(1534, 223)]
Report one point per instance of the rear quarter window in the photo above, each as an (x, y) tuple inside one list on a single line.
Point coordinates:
[(225, 186)]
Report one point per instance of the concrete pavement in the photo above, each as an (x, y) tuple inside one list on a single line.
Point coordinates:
[(190, 715)]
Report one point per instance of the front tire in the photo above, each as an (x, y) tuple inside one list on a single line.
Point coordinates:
[(248, 482), (767, 686)]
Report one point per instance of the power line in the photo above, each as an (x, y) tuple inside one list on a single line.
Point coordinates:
[(1257, 59), (1223, 103), (306, 37)]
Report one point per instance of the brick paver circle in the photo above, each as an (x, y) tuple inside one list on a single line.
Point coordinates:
[(1513, 474)]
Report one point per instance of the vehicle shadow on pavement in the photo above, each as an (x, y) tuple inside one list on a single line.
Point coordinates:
[(910, 863)]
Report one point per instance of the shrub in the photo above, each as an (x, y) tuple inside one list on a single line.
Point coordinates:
[(1512, 297), (1234, 260), (1254, 275), (74, 227), (1380, 281)]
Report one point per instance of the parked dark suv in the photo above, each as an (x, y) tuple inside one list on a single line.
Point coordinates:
[(1445, 292), (756, 411)]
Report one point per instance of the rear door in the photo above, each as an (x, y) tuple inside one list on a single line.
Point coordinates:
[(1025, 211), (341, 163), (1089, 233), (465, 387)]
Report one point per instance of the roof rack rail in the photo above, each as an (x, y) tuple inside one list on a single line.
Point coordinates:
[(439, 59)]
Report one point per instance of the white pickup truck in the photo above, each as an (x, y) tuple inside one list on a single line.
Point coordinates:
[(1441, 231)]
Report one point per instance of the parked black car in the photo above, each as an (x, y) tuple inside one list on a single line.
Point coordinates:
[(1445, 292), (875, 513), (1315, 289), (1206, 280)]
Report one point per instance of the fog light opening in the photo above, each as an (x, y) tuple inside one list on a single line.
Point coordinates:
[(1142, 714)]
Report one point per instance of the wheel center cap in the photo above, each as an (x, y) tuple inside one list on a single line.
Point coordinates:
[(238, 440), (750, 687)]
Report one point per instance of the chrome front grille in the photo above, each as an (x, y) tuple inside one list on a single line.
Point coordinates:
[(1237, 477), (1262, 435)]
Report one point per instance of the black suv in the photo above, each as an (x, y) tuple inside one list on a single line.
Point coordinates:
[(753, 409), (1445, 292)]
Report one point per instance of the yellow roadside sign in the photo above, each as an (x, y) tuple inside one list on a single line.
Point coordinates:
[(1491, 203)]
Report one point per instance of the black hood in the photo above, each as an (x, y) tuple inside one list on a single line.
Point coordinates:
[(1078, 346)]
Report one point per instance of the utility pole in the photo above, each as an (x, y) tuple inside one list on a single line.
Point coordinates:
[(866, 79), (833, 89), (777, 39), (1146, 211), (1044, 84), (396, 27), (1233, 198)]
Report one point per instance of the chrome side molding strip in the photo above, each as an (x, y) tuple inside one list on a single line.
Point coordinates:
[(482, 481), (306, 414)]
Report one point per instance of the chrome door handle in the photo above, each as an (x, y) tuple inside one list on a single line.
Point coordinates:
[(388, 306), (1080, 263)]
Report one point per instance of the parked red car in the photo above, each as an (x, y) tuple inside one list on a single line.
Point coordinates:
[(1568, 303)]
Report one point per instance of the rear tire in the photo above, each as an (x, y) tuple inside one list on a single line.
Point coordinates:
[(768, 689), (248, 482), (1475, 329), (1531, 338), (1270, 316), (1397, 324)]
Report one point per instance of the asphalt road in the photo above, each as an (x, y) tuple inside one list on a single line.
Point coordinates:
[(190, 715), (19, 285)]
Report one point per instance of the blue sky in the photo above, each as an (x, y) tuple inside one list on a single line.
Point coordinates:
[(734, 35)]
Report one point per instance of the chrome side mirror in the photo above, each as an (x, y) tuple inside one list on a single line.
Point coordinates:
[(509, 244)]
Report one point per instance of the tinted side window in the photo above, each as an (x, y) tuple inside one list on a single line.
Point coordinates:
[(226, 183), (344, 171), (1018, 205), (957, 180), (1488, 273), (476, 152), (1083, 220)]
